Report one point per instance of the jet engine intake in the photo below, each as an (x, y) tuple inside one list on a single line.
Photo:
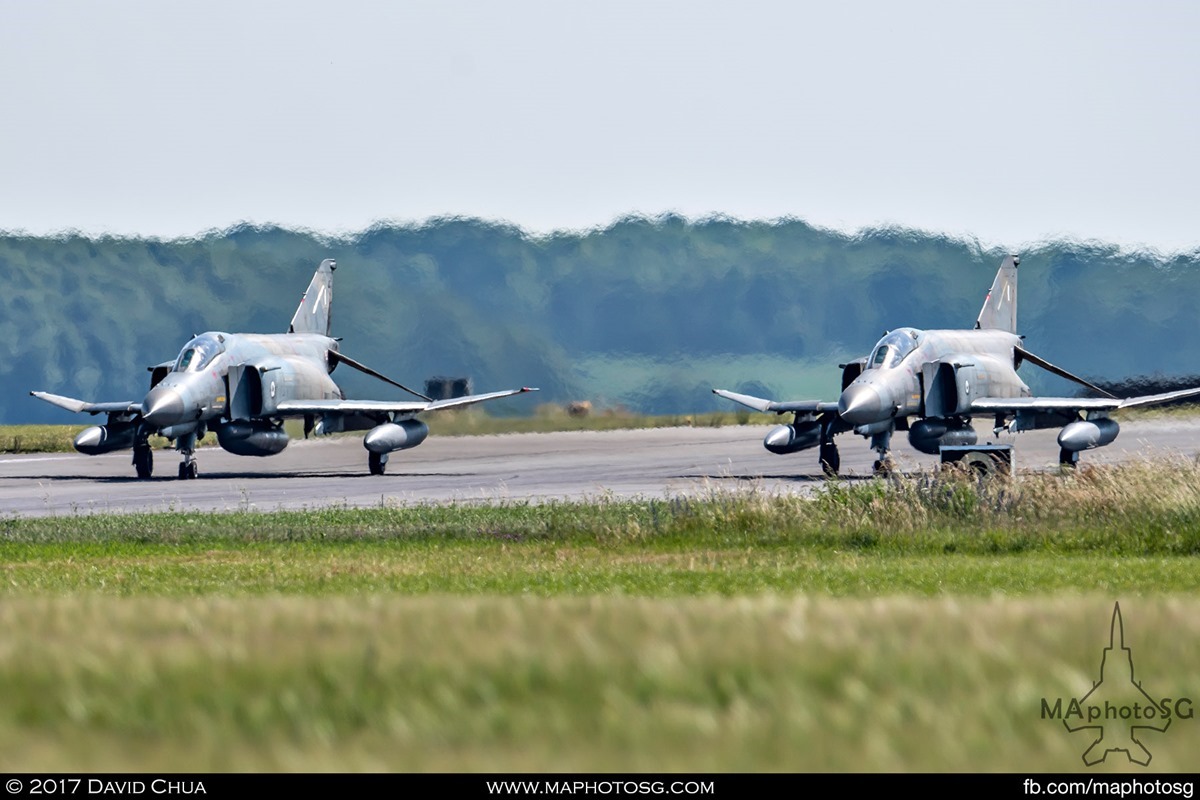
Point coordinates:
[(258, 438), (100, 439), (392, 436), (949, 388), (1088, 434), (784, 439), (928, 435)]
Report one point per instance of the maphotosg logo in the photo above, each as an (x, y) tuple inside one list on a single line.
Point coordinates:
[(1117, 710)]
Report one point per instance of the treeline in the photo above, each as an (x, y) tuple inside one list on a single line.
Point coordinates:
[(645, 313)]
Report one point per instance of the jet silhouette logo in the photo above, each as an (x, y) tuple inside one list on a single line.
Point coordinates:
[(1117, 710)]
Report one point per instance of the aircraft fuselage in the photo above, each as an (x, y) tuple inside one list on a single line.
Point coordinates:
[(932, 373), (240, 376)]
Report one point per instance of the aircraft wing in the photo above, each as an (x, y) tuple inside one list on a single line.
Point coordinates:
[(760, 404), (71, 404), (301, 407), (1005, 404), (471, 399)]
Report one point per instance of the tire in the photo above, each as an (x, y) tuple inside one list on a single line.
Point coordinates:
[(830, 460), (143, 461), (377, 463)]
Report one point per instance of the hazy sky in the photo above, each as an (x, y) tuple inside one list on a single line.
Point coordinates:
[(1008, 121)]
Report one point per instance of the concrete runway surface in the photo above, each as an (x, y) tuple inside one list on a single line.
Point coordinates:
[(510, 467)]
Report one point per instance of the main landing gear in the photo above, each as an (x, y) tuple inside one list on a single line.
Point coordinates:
[(143, 457), (830, 460), (377, 462)]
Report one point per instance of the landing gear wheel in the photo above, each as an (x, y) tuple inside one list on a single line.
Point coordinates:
[(143, 460), (883, 468), (829, 459), (377, 462), (189, 470), (1068, 458)]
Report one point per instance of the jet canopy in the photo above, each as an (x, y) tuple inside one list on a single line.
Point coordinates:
[(894, 348), (199, 352)]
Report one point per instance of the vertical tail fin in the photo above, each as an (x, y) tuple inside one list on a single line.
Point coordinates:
[(312, 315), (999, 310)]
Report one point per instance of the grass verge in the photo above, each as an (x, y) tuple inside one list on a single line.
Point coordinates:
[(907, 625)]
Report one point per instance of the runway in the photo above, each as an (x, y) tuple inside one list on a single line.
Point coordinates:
[(652, 463)]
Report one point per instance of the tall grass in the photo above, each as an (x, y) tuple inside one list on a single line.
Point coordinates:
[(449, 683), (904, 624), (1133, 528)]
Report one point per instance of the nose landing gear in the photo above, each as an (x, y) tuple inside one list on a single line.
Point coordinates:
[(186, 445)]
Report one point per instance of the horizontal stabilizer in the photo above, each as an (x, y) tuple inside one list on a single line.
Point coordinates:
[(363, 368), (1059, 371)]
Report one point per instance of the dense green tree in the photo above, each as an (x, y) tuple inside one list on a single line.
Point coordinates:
[(647, 312)]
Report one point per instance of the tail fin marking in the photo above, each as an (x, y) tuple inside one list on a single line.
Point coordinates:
[(999, 310), (313, 313)]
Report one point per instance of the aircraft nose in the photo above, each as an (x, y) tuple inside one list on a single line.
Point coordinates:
[(862, 404), (163, 406)]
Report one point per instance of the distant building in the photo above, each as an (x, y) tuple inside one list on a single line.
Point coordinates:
[(443, 388)]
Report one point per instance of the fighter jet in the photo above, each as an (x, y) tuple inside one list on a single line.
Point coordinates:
[(242, 386), (933, 382)]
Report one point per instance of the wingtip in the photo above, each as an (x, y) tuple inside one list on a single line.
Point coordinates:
[(530, 389)]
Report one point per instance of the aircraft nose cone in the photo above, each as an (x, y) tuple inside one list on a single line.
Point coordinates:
[(162, 407), (862, 405)]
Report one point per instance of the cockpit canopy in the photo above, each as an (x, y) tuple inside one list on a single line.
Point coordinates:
[(894, 348), (199, 352)]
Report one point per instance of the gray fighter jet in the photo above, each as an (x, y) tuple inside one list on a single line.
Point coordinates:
[(241, 386), (931, 383)]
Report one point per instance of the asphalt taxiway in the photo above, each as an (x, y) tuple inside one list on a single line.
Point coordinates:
[(510, 467)]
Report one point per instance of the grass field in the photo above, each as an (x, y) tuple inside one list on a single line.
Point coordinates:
[(911, 625), (476, 422), (607, 682)]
